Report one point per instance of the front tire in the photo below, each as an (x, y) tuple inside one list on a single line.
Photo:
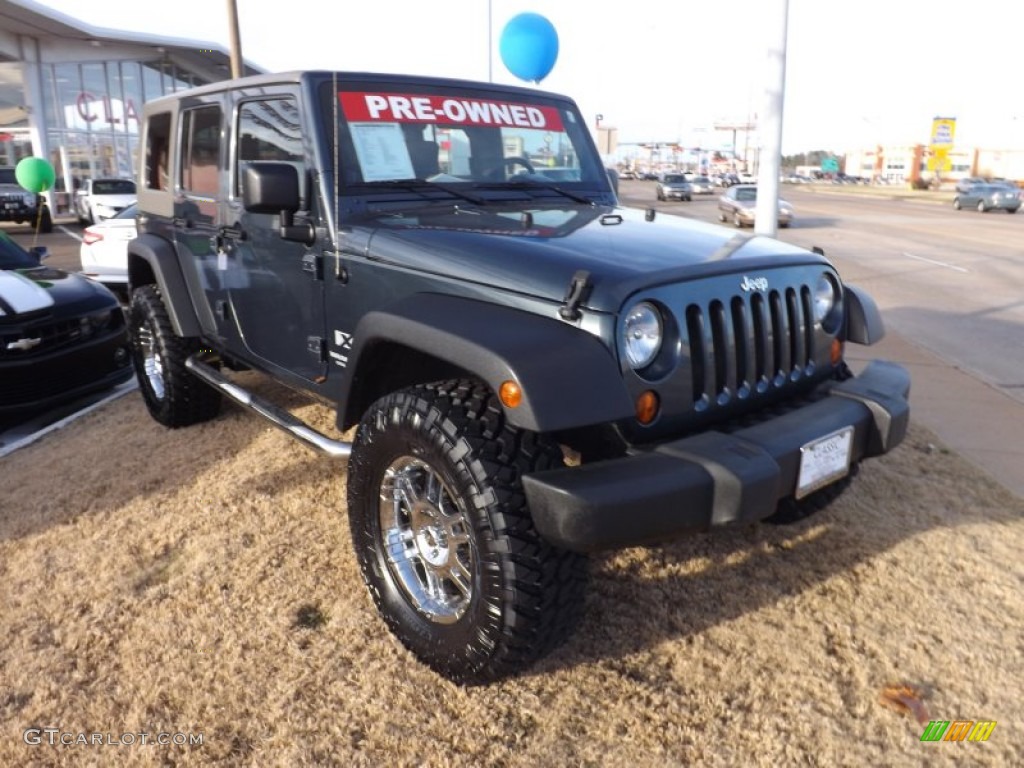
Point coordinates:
[(174, 397), (956, 203), (981, 207), (445, 542)]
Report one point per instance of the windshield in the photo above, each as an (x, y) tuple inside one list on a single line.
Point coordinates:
[(746, 194), (113, 187), (445, 135), (13, 256), (675, 179), (7, 176)]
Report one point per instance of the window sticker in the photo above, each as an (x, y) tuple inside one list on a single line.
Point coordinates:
[(381, 150), (446, 110)]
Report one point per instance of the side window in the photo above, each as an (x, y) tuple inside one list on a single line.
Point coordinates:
[(269, 130), (158, 142), (200, 151)]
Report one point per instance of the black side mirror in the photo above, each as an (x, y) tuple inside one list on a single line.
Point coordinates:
[(40, 252), (269, 187)]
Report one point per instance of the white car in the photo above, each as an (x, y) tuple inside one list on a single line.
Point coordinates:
[(100, 199), (104, 252)]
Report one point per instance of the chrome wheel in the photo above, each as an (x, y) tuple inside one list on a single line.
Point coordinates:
[(427, 540), (152, 362)]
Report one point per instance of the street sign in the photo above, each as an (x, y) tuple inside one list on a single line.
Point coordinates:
[(830, 165), (939, 159), (943, 129)]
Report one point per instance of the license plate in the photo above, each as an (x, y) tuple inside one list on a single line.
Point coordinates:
[(824, 461)]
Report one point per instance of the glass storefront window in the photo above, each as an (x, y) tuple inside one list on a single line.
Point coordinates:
[(152, 82)]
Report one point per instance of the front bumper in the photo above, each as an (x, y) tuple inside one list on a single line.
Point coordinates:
[(40, 382), (712, 478)]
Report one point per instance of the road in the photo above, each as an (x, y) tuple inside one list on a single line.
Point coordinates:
[(951, 281)]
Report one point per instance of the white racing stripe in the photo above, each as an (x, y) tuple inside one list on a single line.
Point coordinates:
[(22, 294)]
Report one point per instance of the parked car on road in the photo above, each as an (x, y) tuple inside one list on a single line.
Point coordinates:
[(62, 336), (100, 199), (739, 202), (104, 251), (702, 185), (987, 197), (674, 186)]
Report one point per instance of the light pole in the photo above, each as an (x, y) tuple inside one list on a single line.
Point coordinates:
[(236, 40)]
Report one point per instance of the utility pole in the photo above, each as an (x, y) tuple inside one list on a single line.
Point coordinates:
[(766, 213), (735, 128), (236, 40)]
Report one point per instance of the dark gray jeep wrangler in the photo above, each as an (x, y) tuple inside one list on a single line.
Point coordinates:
[(536, 373)]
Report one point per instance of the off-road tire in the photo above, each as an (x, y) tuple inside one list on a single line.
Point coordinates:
[(791, 510), (520, 596), (174, 397)]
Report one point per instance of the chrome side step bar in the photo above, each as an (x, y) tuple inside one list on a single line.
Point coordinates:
[(279, 417)]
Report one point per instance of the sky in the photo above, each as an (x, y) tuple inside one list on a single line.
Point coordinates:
[(857, 73)]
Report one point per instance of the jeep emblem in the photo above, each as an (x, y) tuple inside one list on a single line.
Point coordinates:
[(754, 283)]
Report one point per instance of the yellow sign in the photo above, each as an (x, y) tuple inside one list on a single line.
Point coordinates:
[(939, 159), (943, 129)]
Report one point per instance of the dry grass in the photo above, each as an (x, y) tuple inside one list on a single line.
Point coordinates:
[(202, 581)]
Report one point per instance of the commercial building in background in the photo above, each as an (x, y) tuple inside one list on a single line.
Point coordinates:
[(73, 93), (909, 163)]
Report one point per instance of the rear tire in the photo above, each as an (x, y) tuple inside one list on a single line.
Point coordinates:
[(174, 397), (445, 542), (981, 207)]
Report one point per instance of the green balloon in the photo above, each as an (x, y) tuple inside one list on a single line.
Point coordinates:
[(35, 174)]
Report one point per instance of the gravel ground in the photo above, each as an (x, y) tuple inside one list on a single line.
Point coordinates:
[(201, 581)]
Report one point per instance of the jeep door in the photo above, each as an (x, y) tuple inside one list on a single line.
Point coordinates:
[(278, 300), (200, 187)]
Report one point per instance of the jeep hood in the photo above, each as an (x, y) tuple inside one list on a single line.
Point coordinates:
[(536, 253)]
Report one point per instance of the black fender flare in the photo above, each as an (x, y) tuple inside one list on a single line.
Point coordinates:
[(567, 376), (863, 320), (165, 270)]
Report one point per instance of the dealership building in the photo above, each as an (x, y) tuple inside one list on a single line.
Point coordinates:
[(73, 93)]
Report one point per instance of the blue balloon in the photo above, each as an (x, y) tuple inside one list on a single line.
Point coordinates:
[(529, 46)]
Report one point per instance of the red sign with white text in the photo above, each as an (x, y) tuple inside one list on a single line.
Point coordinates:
[(446, 110)]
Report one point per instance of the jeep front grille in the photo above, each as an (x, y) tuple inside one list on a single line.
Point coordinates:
[(749, 344)]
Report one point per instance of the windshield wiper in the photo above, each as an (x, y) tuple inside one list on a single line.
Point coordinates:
[(524, 184), (421, 186)]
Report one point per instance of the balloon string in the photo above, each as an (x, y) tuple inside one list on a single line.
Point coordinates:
[(39, 222)]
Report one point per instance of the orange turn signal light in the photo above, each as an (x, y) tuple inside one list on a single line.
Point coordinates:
[(510, 394), (647, 406)]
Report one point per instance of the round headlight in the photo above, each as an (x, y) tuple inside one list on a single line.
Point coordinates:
[(824, 297), (642, 333)]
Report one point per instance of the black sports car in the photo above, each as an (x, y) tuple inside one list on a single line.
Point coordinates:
[(61, 335)]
